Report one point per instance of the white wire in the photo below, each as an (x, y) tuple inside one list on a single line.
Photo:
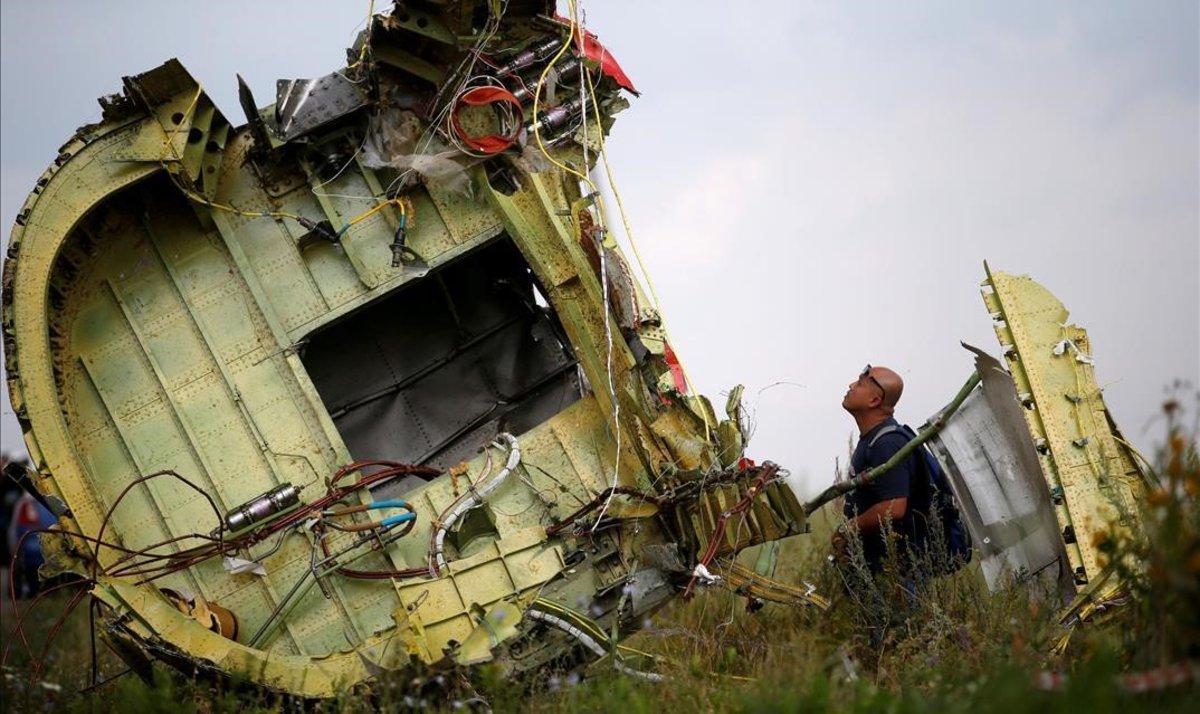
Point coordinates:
[(608, 337), (590, 642), (509, 123), (340, 171), (434, 126), (475, 498)]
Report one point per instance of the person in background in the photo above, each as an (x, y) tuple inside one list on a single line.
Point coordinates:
[(27, 515)]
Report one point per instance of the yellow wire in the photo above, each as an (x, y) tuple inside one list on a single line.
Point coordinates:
[(362, 53), (398, 202), (169, 146), (579, 618), (537, 96), (633, 244), (170, 143), (687, 378), (537, 135)]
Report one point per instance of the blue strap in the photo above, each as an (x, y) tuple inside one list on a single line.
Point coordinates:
[(397, 520), (388, 503), (882, 433)]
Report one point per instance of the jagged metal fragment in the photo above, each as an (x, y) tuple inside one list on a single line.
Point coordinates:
[(302, 105), (1036, 460), (1094, 482), (221, 302), (991, 462)]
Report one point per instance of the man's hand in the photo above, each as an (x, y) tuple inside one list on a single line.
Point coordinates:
[(838, 542)]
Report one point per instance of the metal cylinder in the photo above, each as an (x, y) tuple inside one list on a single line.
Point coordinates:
[(524, 92), (531, 55), (259, 508), (558, 116)]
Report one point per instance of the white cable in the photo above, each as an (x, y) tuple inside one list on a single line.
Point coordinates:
[(430, 131), (508, 119), (590, 642), (333, 178), (583, 109), (608, 338), (475, 498)]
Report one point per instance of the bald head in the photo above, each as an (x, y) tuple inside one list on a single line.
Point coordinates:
[(873, 396), (891, 384)]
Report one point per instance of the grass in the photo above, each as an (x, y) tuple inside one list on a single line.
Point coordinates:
[(955, 648)]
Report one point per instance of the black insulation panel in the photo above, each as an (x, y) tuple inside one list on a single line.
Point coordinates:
[(432, 372)]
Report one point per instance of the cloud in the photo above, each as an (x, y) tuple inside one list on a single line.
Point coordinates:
[(884, 174), (702, 218)]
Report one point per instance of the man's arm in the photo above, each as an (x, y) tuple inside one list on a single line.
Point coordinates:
[(890, 490), (871, 521)]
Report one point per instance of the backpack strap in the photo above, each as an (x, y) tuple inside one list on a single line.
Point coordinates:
[(931, 477), (890, 428), (907, 433), (934, 484)]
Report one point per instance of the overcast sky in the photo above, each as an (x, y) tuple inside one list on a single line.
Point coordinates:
[(814, 186)]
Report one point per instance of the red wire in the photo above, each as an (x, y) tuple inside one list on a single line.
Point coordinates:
[(19, 623), (39, 666), (480, 96), (191, 557), (768, 470)]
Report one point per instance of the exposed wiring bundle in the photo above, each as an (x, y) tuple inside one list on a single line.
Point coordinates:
[(474, 497)]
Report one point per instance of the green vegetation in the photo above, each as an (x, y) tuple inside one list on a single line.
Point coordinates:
[(953, 647)]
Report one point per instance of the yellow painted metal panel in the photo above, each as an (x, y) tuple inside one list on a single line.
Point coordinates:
[(1092, 479)]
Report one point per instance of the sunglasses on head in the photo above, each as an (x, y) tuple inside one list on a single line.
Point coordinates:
[(867, 373)]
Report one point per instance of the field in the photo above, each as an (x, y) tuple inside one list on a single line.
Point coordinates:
[(952, 647)]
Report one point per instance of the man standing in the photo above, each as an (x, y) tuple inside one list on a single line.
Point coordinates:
[(871, 400)]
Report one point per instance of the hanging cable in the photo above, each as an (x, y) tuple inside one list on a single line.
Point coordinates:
[(612, 182), (594, 194)]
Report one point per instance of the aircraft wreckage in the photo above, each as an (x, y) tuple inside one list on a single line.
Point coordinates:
[(365, 384)]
